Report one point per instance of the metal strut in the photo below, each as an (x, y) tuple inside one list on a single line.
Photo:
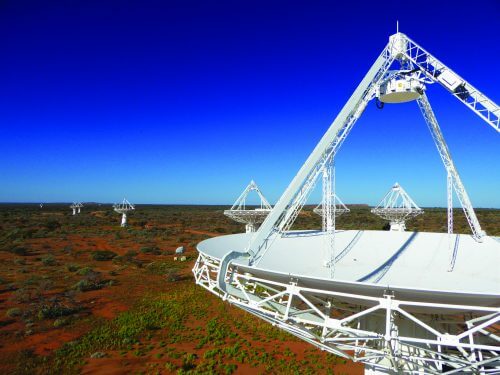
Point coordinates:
[(329, 214), (294, 197), (435, 70), (449, 190), (444, 152)]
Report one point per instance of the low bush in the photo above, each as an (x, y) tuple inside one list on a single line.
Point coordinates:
[(188, 361), (60, 322), (119, 259), (103, 255), (86, 285), (55, 310), (14, 312), (85, 271), (49, 260), (19, 250), (150, 250), (72, 267)]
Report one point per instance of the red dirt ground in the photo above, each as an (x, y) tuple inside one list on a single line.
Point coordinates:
[(30, 284)]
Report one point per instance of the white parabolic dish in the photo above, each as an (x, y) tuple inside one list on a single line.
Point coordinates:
[(413, 264), (412, 302)]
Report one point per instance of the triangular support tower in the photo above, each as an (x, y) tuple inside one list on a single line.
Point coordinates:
[(123, 208), (340, 207), (401, 73), (250, 217), (397, 207)]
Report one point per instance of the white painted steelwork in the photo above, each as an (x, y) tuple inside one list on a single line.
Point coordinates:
[(340, 207), (123, 208), (444, 152), (393, 308), (423, 303), (397, 207), (251, 217)]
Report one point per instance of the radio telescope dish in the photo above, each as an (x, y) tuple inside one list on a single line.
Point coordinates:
[(123, 208), (397, 207), (340, 207), (398, 302), (76, 207), (251, 217)]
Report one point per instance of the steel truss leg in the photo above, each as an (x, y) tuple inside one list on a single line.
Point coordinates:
[(444, 152), (329, 208), (449, 180)]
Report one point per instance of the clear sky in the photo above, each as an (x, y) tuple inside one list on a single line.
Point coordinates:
[(186, 101)]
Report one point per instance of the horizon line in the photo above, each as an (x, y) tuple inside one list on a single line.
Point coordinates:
[(208, 204)]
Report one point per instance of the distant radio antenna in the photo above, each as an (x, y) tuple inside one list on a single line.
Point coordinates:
[(251, 217), (76, 206), (340, 207), (397, 207), (122, 208)]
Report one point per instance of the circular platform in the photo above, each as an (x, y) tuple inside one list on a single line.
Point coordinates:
[(413, 265)]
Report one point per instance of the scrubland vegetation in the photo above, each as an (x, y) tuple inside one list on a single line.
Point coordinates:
[(80, 294)]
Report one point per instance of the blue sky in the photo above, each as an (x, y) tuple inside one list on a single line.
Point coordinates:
[(186, 101)]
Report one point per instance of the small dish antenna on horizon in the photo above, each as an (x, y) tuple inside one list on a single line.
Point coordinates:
[(340, 207), (76, 207), (397, 207), (122, 208), (239, 212)]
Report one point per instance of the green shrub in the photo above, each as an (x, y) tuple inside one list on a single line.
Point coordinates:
[(188, 361), (55, 310), (60, 322), (150, 250), (229, 368), (49, 260), (119, 259), (14, 312), (86, 285), (72, 267), (22, 251), (84, 271), (102, 255)]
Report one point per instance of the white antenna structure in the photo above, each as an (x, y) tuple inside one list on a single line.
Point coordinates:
[(397, 207), (76, 207), (251, 217), (123, 208), (340, 208), (398, 302)]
